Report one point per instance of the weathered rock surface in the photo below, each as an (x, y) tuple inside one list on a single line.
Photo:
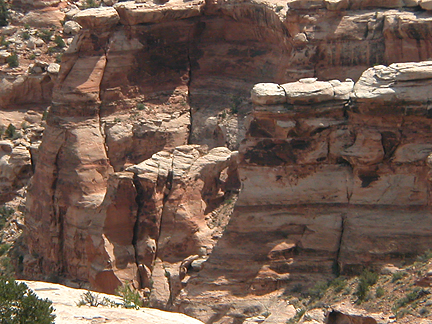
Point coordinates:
[(65, 301), (126, 189), (15, 167), (323, 185)]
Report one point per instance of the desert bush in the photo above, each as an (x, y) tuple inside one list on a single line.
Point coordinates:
[(398, 275), (12, 60), (4, 13), (4, 247), (131, 297), (366, 279), (379, 292), (25, 35), (4, 42), (5, 213), (318, 291), (235, 104), (46, 35), (59, 41), (411, 296), (11, 132), (425, 257), (20, 305), (58, 58), (338, 284), (92, 299)]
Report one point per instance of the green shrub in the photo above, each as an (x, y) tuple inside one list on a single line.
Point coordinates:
[(318, 291), (409, 298), (366, 279), (58, 58), (19, 305), (4, 42), (92, 299), (25, 35), (4, 13), (338, 284), (398, 275), (45, 114), (141, 106), (425, 257), (59, 41), (6, 212), (235, 104), (51, 50), (13, 61), (379, 292), (46, 35), (401, 313), (4, 248), (297, 288), (131, 298), (11, 132)]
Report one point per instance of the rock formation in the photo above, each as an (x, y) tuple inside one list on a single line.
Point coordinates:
[(65, 302), (137, 172)]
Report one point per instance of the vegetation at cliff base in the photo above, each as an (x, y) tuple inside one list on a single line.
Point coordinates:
[(20, 305), (130, 299), (4, 13)]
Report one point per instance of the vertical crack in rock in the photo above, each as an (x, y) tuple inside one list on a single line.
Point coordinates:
[(337, 266), (169, 183), (139, 201), (58, 213)]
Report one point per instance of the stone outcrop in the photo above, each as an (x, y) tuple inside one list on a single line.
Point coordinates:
[(65, 302), (15, 167), (134, 181), (327, 184)]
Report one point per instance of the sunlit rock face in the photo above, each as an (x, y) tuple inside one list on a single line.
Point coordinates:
[(138, 170)]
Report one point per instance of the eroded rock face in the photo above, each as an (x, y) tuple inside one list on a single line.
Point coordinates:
[(133, 180), (65, 301), (324, 187)]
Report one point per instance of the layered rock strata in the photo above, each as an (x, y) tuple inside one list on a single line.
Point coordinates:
[(125, 189), (335, 179)]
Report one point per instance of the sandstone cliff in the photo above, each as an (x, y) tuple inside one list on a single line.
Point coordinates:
[(137, 175)]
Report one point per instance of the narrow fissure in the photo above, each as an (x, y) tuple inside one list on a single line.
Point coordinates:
[(58, 213), (169, 183), (337, 266), (139, 201), (101, 129)]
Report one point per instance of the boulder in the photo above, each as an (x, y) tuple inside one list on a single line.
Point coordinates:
[(103, 18), (426, 4), (134, 13), (268, 94), (44, 18), (71, 27), (307, 91), (408, 82)]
